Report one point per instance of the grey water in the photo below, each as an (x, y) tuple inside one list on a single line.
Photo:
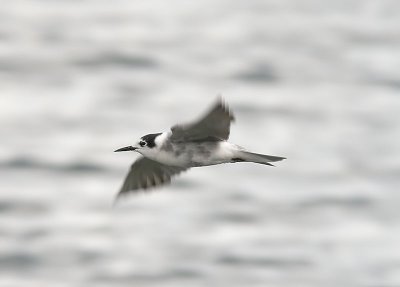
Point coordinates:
[(315, 81)]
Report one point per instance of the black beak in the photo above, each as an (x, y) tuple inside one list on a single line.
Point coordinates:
[(127, 148)]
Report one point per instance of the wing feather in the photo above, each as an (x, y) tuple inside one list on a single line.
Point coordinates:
[(214, 126), (146, 173)]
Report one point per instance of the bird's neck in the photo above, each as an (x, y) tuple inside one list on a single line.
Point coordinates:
[(162, 138)]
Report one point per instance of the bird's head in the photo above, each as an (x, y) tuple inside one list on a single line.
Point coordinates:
[(147, 145)]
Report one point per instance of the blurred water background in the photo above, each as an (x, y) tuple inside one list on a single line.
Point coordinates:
[(315, 81)]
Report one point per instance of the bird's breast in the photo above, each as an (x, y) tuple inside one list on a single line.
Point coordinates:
[(193, 154), (169, 158)]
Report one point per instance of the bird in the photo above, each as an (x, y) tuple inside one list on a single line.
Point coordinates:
[(197, 144)]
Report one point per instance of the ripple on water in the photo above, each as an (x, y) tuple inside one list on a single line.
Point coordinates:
[(31, 163), (272, 262), (257, 74), (18, 261), (25, 207), (117, 59)]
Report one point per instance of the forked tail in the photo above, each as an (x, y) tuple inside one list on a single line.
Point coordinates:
[(256, 157)]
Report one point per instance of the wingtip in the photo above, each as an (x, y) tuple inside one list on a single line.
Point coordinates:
[(115, 201), (222, 102), (123, 194)]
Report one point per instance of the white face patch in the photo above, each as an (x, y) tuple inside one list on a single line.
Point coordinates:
[(152, 152), (160, 140)]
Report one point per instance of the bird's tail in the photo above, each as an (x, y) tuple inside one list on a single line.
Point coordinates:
[(257, 158)]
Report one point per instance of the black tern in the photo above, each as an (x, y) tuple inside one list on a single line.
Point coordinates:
[(201, 143)]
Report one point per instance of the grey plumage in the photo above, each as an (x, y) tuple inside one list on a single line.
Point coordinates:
[(258, 158), (214, 126), (145, 173)]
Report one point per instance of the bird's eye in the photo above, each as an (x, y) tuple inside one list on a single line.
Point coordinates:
[(142, 143)]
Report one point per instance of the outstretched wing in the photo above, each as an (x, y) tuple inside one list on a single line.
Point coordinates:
[(215, 125), (146, 173)]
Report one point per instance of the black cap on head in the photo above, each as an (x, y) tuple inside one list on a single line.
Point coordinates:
[(150, 139)]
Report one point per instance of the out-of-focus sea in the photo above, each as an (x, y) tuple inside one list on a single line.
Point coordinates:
[(315, 81)]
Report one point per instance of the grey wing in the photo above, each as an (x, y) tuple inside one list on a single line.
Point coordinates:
[(146, 173), (215, 125)]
